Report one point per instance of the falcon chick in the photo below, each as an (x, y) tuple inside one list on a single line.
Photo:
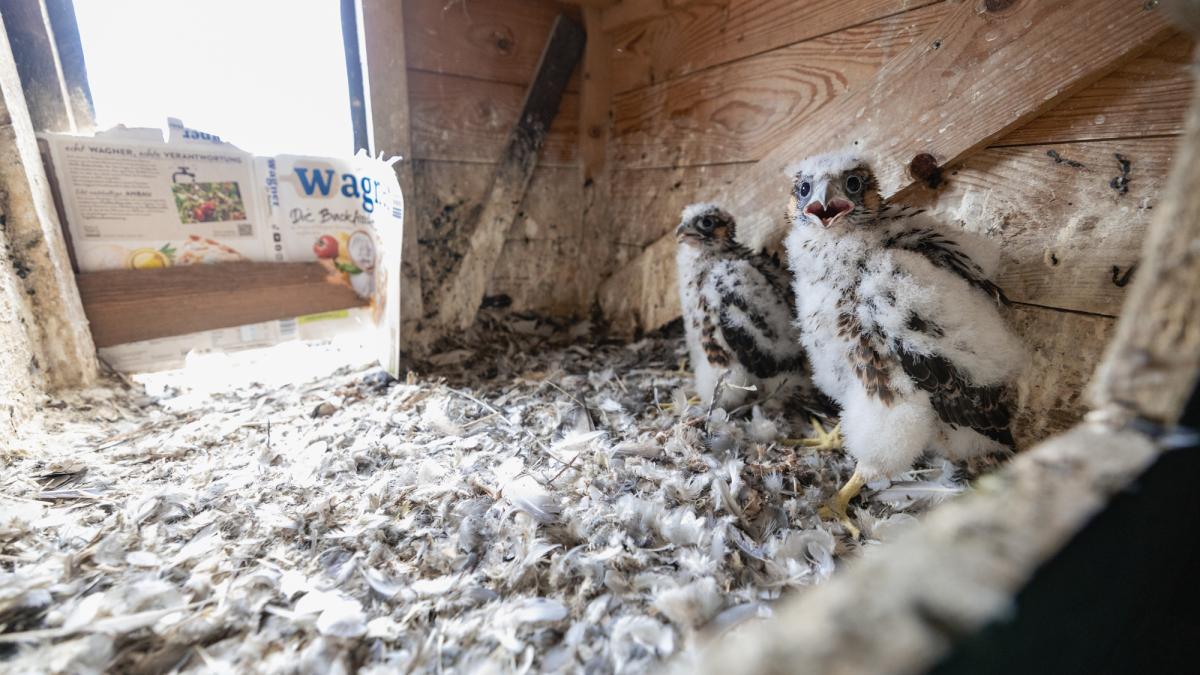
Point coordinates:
[(737, 313), (900, 322)]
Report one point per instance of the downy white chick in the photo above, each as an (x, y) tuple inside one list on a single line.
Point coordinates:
[(737, 313), (902, 326)]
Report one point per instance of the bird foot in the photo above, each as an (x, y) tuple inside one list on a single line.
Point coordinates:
[(692, 400), (832, 511), (837, 508), (820, 440)]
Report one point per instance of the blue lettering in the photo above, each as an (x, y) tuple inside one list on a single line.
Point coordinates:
[(349, 185), (368, 203), (322, 184)]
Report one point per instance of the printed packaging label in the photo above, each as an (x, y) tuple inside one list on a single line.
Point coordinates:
[(132, 201)]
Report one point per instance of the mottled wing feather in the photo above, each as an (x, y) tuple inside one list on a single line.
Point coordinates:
[(946, 254), (713, 350), (746, 329), (758, 362), (957, 402), (866, 360)]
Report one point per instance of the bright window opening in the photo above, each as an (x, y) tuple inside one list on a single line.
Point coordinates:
[(266, 75)]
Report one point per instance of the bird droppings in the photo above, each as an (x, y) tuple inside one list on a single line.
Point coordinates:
[(1059, 159), (1121, 279), (544, 503), (1121, 182)]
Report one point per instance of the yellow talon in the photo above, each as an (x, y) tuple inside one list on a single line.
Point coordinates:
[(694, 400), (836, 508), (822, 440)]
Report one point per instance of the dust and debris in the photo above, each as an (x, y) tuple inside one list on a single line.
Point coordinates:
[(537, 501), (1059, 159), (1121, 182)]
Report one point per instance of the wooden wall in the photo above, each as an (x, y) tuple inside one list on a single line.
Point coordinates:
[(469, 64), (701, 90)]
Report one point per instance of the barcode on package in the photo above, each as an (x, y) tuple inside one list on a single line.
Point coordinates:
[(287, 329), (245, 230)]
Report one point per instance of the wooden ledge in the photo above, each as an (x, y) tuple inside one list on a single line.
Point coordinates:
[(131, 305)]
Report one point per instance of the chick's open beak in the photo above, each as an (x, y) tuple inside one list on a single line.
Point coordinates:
[(828, 213)]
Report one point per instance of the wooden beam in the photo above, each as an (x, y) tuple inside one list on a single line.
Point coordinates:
[(657, 40), (131, 305), (739, 111), (460, 299), (496, 40), (1006, 69), (466, 120), (36, 55), (1148, 96), (385, 69), (535, 269), (595, 109), (597, 255), (61, 16), (1151, 366), (48, 309)]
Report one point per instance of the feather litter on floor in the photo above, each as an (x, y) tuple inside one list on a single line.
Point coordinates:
[(534, 502)]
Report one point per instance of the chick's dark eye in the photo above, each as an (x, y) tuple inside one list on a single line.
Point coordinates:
[(804, 189), (854, 185), (707, 223)]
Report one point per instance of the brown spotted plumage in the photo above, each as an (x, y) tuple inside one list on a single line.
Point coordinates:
[(901, 322), (737, 314)]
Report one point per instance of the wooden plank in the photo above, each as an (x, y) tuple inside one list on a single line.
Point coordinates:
[(595, 109), (36, 56), (642, 295), (384, 34), (1147, 97), (737, 112), (449, 199), (998, 85), (1006, 70), (1064, 350), (547, 276), (1069, 239), (496, 40), (461, 119), (355, 72), (42, 296), (646, 203), (65, 27), (654, 41), (131, 305), (459, 302), (1151, 367)]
